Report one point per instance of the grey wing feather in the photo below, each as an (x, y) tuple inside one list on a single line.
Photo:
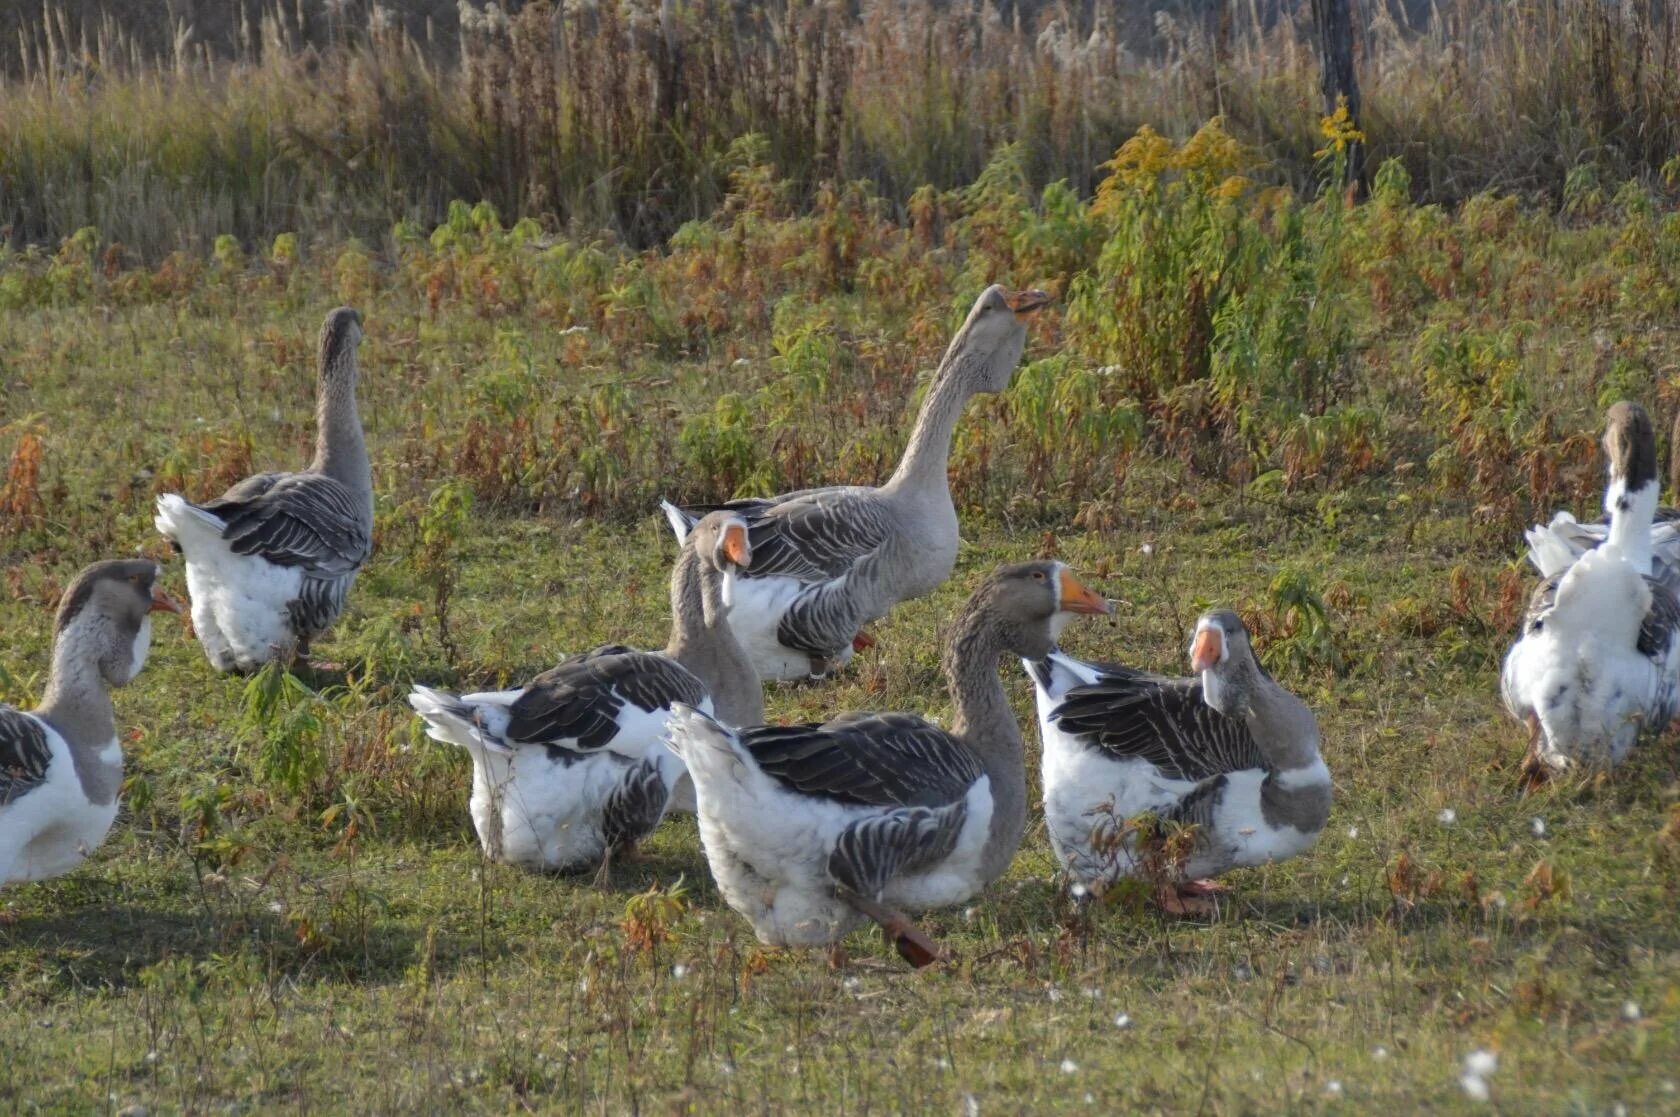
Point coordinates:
[(296, 519), (24, 754), (577, 702), (633, 809), (873, 760), (812, 536), (1163, 721), (872, 851)]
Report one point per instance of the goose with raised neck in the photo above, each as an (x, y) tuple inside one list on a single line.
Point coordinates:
[(271, 561), (61, 764), (832, 560), (573, 766), (812, 829), (1597, 661), (1227, 751)]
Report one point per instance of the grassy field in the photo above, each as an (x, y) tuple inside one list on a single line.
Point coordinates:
[(1334, 419)]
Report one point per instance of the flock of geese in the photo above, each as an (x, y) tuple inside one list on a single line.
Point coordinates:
[(811, 830)]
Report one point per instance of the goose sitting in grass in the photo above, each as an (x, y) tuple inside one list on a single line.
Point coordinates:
[(1598, 658), (61, 764), (828, 561), (572, 768), (270, 561), (1228, 760), (810, 829)]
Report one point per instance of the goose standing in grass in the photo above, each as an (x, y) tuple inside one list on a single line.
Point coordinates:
[(61, 764), (828, 561), (270, 562), (1228, 756), (573, 767), (810, 829), (1598, 658)]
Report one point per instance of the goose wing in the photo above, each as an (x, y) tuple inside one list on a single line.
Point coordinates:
[(1163, 721), (579, 700), (867, 760), (812, 536), (295, 519), (24, 754)]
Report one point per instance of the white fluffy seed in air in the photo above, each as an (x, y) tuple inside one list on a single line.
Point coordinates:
[(1069, 1066), (1481, 1062), (1538, 825), (679, 971), (1630, 1010), (1146, 550), (1474, 1088), (1124, 1020), (1333, 1088), (1380, 1053), (1447, 817), (1078, 891), (1353, 832)]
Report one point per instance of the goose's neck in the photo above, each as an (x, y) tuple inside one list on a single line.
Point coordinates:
[(76, 701), (340, 447), (1282, 726), (1631, 512), (924, 468), (702, 641), (987, 725)]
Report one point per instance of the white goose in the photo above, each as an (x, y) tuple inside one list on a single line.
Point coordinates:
[(1229, 754), (270, 562), (572, 768), (61, 763), (810, 829), (1598, 658), (828, 561)]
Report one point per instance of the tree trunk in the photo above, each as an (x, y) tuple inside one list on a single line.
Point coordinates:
[(1333, 32)]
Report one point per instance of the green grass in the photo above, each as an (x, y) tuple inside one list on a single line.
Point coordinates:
[(241, 943)]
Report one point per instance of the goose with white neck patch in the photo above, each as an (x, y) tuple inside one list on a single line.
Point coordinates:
[(61, 763), (270, 562), (829, 561), (1598, 659), (1229, 753), (811, 829), (572, 768)]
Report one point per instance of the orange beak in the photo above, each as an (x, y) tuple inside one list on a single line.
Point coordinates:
[(1076, 598), (1206, 649), (735, 547), (1025, 302), (163, 603)]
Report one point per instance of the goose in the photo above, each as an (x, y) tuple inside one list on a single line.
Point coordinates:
[(1228, 753), (61, 763), (811, 829), (270, 562), (571, 769), (1598, 656), (828, 561)]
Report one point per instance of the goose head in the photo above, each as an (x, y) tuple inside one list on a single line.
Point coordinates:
[(341, 333), (721, 540), (1630, 445), (992, 338), (1221, 653), (1029, 604), (105, 617)]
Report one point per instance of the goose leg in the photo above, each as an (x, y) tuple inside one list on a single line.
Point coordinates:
[(1534, 773), (909, 940), (1191, 897)]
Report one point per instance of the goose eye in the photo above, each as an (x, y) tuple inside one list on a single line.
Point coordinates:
[(1038, 575)]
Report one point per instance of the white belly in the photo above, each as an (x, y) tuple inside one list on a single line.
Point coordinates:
[(52, 828)]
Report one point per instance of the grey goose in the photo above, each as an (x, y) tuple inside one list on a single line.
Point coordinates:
[(61, 763), (271, 561), (828, 561), (811, 829)]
